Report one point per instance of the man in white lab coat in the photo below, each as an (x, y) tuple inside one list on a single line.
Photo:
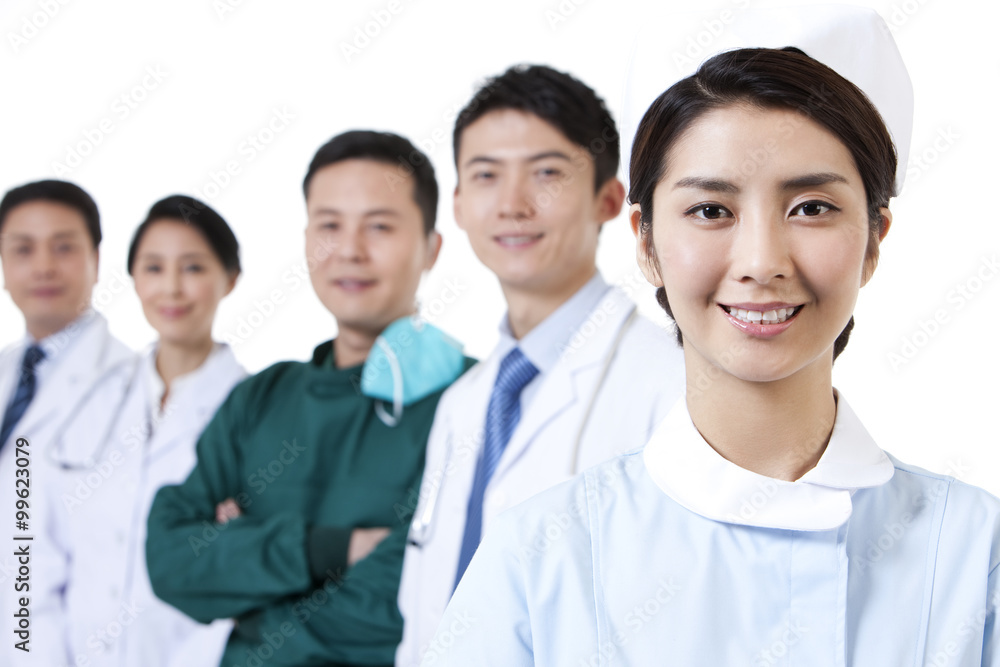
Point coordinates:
[(63, 380), (578, 375)]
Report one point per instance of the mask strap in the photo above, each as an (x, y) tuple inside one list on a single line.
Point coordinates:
[(391, 420)]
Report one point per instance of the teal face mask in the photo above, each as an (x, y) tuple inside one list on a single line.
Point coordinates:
[(411, 359)]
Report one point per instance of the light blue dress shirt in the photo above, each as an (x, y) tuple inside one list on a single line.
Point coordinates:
[(544, 344), (674, 556)]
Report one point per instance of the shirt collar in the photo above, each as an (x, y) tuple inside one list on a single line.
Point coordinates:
[(686, 468), (544, 344), (156, 385), (55, 345)]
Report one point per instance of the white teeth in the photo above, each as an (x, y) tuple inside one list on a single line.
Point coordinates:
[(517, 240), (758, 317)]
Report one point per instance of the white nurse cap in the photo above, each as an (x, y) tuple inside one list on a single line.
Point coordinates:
[(853, 41)]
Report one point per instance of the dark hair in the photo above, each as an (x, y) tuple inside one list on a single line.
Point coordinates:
[(768, 79), (566, 103), (388, 148), (60, 192), (201, 217)]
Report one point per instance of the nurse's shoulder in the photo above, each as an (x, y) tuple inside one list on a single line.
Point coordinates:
[(969, 517)]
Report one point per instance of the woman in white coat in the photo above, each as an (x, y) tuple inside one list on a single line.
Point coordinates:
[(761, 524), (184, 260)]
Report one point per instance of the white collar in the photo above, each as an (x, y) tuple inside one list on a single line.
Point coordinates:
[(686, 468), (156, 385), (55, 344)]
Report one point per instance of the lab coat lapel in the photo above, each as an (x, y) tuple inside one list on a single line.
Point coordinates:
[(10, 366), (468, 425), (569, 384), (88, 359)]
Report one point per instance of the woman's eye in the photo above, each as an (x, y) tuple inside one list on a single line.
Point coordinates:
[(550, 172), (483, 176), (151, 268), (710, 212), (813, 208), (194, 268)]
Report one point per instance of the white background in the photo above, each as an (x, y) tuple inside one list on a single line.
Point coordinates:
[(228, 65)]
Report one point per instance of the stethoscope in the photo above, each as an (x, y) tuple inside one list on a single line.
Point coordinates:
[(56, 452), (420, 528)]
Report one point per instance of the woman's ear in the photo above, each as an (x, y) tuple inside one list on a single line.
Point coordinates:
[(871, 253), (886, 223), (644, 247)]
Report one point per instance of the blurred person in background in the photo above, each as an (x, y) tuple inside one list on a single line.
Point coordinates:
[(184, 259), (62, 382), (294, 519)]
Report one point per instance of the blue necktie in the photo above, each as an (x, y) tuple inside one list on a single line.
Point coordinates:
[(24, 392), (502, 415)]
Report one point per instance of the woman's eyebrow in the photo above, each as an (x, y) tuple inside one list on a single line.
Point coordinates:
[(812, 180), (710, 184)]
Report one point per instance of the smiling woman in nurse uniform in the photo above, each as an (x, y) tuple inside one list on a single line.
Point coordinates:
[(184, 260), (761, 524)]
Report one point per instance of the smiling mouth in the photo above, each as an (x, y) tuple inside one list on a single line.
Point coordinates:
[(517, 240), (353, 284), (763, 317), (174, 311)]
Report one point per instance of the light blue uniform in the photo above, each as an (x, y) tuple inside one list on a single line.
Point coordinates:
[(675, 556)]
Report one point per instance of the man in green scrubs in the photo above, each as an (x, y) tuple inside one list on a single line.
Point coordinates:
[(294, 520)]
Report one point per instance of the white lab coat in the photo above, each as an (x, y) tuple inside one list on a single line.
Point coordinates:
[(673, 555), (76, 402), (645, 377), (113, 617)]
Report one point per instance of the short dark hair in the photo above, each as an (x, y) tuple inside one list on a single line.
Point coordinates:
[(558, 98), (767, 79), (200, 216), (60, 192), (388, 148)]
